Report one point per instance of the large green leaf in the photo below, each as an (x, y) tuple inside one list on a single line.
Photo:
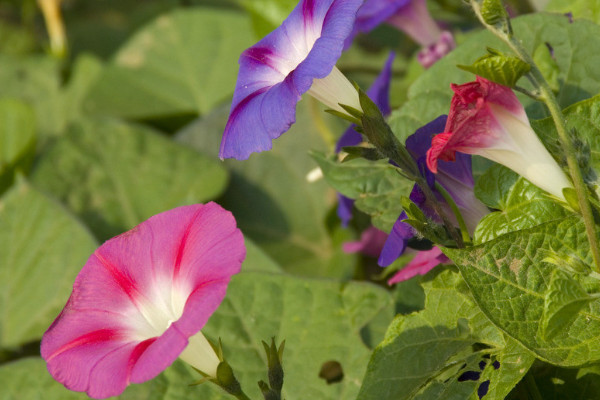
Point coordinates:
[(522, 205), (37, 80), (17, 139), (114, 175), (423, 353), (576, 52), (376, 186), (511, 278), (274, 203), (42, 248), (183, 62)]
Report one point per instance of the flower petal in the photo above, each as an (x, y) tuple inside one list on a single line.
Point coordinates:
[(281, 67), (421, 264)]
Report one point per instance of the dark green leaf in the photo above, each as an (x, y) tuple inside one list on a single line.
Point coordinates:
[(502, 69)]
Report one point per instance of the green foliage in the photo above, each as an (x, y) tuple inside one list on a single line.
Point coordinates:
[(37, 80), (42, 248), (499, 68), (583, 119), (377, 187), (589, 9), (274, 203), (114, 175), (576, 52), (511, 281), (521, 205), (424, 353), (184, 62), (267, 14), (17, 139)]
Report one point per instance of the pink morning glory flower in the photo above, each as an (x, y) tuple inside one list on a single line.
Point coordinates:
[(297, 57), (141, 299), (487, 119), (412, 18)]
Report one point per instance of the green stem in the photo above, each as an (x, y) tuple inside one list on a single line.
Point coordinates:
[(548, 98), (242, 396), (461, 222)]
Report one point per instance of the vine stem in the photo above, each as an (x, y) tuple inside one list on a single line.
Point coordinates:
[(548, 98)]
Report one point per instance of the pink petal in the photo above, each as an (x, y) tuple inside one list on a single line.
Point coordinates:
[(421, 264), (122, 323)]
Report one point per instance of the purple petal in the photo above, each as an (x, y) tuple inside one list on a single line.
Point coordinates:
[(140, 296), (344, 209), (375, 12), (421, 264), (281, 67), (379, 91), (395, 245), (349, 138)]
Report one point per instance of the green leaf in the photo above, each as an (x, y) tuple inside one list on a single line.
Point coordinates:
[(258, 260), (564, 299), (38, 81), (17, 139), (424, 350), (522, 205), (576, 51), (510, 281), (556, 383), (274, 203), (589, 9), (42, 248), (184, 62), (29, 379), (114, 175), (515, 361), (499, 68), (377, 187)]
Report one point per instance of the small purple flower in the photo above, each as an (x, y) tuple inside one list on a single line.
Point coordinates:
[(141, 299), (456, 179), (412, 18), (379, 92), (297, 57)]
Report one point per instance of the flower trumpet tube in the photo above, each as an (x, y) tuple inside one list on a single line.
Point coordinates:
[(410, 17), (297, 57), (487, 119), (141, 299)]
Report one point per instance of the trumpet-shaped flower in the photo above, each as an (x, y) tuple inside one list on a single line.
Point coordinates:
[(379, 92), (141, 299), (297, 57), (487, 119), (455, 178), (412, 18)]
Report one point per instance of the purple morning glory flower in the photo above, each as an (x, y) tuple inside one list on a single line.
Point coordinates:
[(412, 18), (379, 92), (297, 57), (456, 178)]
